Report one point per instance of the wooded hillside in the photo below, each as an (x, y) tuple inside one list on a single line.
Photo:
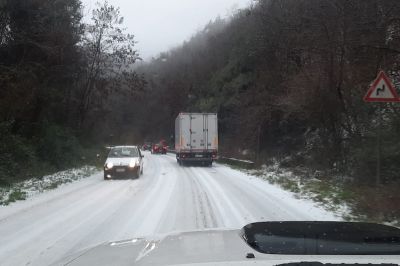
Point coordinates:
[(287, 79), (57, 76)]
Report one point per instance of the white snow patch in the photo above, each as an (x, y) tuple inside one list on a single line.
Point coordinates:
[(291, 206), (274, 174), (34, 186)]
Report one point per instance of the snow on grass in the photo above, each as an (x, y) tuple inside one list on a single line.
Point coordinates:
[(33, 186), (335, 194)]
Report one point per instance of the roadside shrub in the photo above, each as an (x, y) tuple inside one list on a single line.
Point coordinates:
[(54, 148), (59, 147), (16, 195), (364, 158), (16, 155)]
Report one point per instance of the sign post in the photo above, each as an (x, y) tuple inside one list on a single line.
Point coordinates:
[(378, 146), (381, 91)]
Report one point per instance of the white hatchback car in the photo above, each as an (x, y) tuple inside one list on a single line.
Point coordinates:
[(123, 162)]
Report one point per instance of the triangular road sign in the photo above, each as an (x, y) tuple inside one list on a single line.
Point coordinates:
[(382, 90)]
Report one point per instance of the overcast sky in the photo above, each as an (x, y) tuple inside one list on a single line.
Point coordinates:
[(159, 25)]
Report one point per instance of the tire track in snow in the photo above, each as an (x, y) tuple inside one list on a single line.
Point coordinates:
[(224, 210), (54, 225), (77, 227), (269, 201), (146, 217), (205, 208), (189, 208), (231, 217), (254, 204)]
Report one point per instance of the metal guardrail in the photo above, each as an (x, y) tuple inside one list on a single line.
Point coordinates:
[(237, 162)]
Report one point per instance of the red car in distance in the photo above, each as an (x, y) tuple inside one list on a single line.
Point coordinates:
[(160, 148), (147, 146)]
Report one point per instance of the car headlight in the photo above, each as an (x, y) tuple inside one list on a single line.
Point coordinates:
[(109, 165), (134, 163)]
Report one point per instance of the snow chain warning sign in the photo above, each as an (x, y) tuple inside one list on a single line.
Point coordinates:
[(382, 90)]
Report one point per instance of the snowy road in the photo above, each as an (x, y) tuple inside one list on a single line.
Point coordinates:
[(166, 198)]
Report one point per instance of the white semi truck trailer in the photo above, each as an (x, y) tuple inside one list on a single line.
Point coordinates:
[(196, 138)]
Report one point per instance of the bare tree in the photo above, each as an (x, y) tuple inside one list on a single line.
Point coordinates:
[(109, 52)]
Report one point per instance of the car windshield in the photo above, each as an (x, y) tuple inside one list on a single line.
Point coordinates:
[(120, 152)]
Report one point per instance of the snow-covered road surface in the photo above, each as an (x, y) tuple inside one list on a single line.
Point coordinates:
[(167, 198)]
